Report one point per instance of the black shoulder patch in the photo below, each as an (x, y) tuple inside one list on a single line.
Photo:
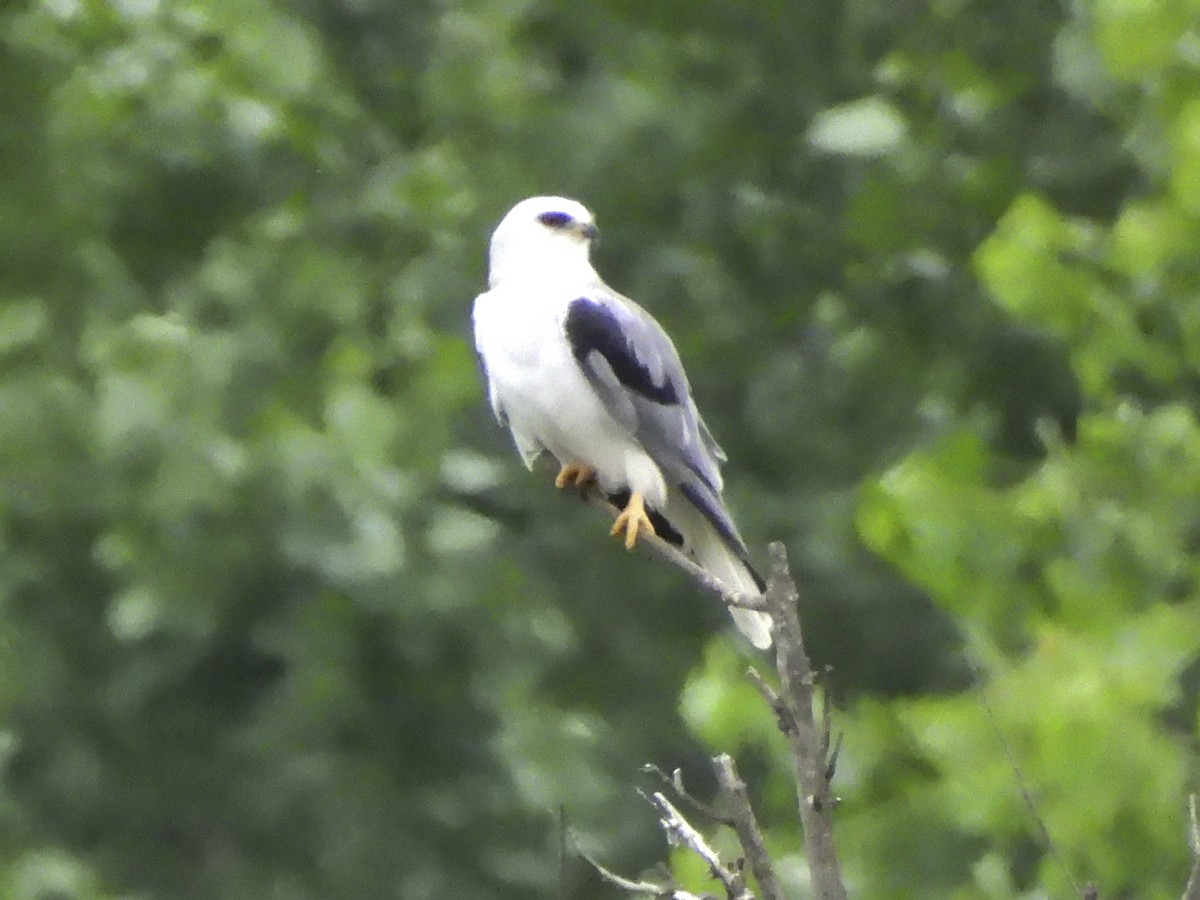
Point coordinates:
[(592, 327)]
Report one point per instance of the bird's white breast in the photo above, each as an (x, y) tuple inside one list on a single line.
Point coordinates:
[(540, 387)]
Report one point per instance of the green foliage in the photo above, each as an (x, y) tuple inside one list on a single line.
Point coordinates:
[(1075, 583), (282, 615)]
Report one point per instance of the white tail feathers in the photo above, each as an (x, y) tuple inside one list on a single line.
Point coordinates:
[(711, 553), (701, 541)]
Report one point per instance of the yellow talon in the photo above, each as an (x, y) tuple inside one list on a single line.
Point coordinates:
[(631, 520), (576, 476)]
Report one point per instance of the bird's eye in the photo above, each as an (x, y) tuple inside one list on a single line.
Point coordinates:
[(555, 219)]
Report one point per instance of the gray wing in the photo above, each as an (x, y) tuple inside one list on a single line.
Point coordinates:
[(635, 369)]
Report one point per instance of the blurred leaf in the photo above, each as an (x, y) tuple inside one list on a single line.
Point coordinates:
[(867, 127)]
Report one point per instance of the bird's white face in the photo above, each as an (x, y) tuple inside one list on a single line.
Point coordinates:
[(542, 233)]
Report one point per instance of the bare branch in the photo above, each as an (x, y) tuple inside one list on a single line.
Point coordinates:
[(813, 758), (1047, 841), (665, 892), (680, 831), (746, 825), (675, 782), (809, 743), (783, 715)]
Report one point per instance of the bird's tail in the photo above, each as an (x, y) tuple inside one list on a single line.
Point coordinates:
[(719, 550), (711, 553)]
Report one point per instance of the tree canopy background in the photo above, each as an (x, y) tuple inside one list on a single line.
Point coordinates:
[(281, 613)]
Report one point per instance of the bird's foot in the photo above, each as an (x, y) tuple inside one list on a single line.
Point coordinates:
[(631, 520), (579, 477)]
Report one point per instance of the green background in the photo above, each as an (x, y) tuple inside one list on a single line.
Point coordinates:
[(283, 616)]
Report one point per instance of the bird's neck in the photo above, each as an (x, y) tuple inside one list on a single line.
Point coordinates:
[(540, 264)]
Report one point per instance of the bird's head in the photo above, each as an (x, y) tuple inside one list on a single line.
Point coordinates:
[(542, 234)]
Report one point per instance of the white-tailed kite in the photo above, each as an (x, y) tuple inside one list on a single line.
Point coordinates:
[(576, 370)]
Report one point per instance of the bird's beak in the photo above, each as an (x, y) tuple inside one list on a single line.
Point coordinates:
[(588, 231)]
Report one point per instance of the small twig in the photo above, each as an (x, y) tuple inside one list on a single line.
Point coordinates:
[(1047, 841), (563, 833), (831, 748), (832, 758), (826, 715), (783, 715), (746, 825), (675, 782), (679, 830), (1192, 891), (664, 892)]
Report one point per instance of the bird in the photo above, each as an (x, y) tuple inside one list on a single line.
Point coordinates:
[(574, 369)]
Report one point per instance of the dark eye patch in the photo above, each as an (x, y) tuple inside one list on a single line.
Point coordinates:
[(555, 219)]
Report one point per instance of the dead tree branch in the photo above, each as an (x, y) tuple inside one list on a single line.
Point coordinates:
[(658, 891), (745, 823), (680, 831), (813, 754), (810, 744), (674, 781)]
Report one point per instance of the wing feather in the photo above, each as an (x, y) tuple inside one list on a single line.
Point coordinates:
[(493, 399), (636, 371)]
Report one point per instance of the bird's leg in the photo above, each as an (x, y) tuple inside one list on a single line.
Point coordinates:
[(632, 519), (576, 476)]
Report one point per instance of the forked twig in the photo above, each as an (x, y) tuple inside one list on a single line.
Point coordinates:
[(680, 831), (745, 823)]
